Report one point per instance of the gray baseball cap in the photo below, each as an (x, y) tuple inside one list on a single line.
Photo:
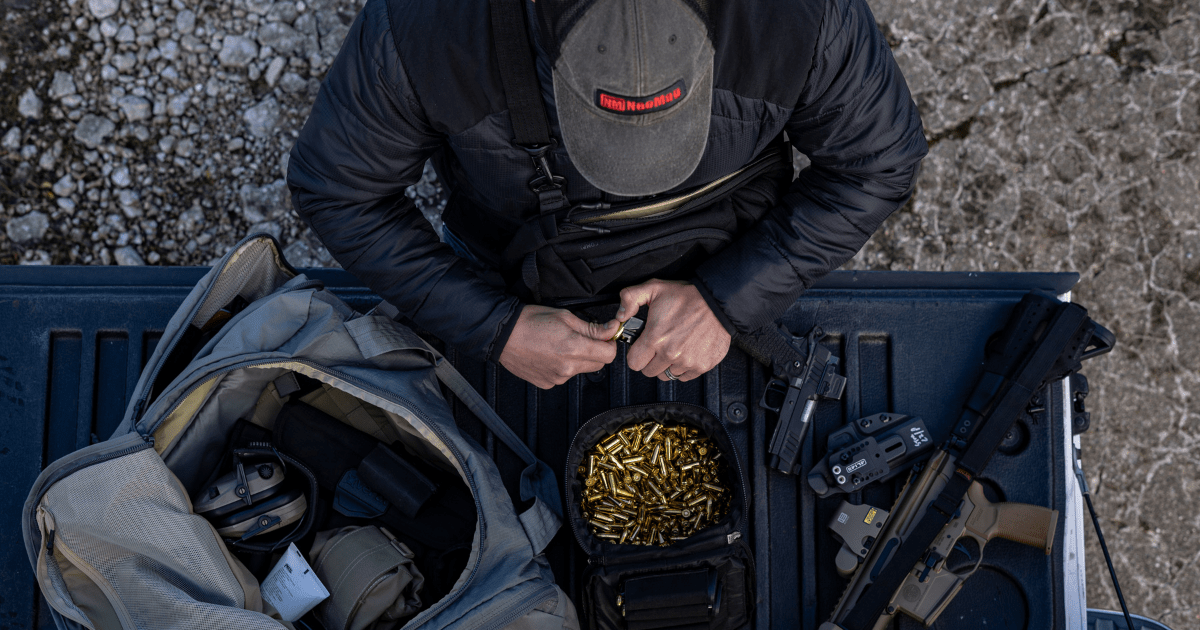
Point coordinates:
[(633, 85)]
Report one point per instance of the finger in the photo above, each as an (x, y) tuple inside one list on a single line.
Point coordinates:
[(656, 367), (602, 332), (633, 298), (640, 354)]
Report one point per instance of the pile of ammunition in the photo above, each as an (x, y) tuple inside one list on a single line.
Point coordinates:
[(653, 484)]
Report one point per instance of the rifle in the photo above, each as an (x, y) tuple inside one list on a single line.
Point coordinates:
[(1043, 341), (924, 594)]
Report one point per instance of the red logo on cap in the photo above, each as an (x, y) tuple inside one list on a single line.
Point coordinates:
[(635, 105)]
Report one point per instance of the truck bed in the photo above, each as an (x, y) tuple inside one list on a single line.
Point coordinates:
[(75, 339)]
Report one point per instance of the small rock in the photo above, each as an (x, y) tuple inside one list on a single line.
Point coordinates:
[(108, 28), (109, 73), (262, 118), (292, 82), (30, 105), (120, 177), (12, 139), (63, 85), (92, 130), (130, 202), (28, 152), (274, 70), (283, 12), (280, 37), (135, 107), (184, 147), (237, 51), (72, 101), (283, 163), (128, 257), (66, 204), (185, 22), (124, 63), (31, 227), (166, 143), (178, 104), (47, 161), (64, 186), (169, 49), (126, 35), (190, 221), (103, 8), (261, 7), (235, 144)]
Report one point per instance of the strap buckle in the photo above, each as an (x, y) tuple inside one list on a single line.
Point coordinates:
[(544, 179)]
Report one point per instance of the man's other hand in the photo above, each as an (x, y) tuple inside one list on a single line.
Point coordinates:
[(548, 346), (682, 333)]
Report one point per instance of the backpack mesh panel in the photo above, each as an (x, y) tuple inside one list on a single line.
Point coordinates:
[(557, 17), (130, 522)]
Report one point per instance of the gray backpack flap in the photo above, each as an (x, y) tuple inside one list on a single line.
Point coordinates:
[(111, 532)]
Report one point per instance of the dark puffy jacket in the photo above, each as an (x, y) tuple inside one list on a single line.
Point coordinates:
[(417, 79)]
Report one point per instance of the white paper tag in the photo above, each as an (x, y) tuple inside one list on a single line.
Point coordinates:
[(292, 587)]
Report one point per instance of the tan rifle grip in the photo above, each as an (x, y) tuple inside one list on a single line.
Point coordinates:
[(1031, 525)]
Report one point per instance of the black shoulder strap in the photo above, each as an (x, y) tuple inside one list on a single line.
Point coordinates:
[(515, 57)]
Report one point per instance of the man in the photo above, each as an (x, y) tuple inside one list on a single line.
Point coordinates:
[(648, 100)]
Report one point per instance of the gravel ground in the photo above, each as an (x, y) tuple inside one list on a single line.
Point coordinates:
[(1063, 137)]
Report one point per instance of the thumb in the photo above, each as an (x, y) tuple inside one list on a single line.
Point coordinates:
[(633, 298)]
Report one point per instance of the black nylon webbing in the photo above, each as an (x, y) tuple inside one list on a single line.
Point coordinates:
[(521, 88), (1066, 322)]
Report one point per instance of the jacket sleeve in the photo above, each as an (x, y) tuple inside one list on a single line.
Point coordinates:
[(365, 141), (858, 124)]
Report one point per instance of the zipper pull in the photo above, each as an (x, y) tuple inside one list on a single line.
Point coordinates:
[(50, 542), (732, 537), (137, 409), (592, 228)]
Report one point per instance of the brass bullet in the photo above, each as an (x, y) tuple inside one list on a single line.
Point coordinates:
[(591, 465), (654, 455), (653, 430), (637, 469)]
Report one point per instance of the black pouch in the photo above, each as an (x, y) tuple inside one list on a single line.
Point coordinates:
[(568, 256), (703, 582)]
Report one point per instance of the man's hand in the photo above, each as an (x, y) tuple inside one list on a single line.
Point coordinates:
[(682, 333), (550, 345)]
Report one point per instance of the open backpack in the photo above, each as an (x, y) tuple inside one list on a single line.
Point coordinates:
[(111, 531)]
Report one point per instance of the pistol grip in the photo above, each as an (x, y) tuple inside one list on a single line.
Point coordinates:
[(1031, 525)]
